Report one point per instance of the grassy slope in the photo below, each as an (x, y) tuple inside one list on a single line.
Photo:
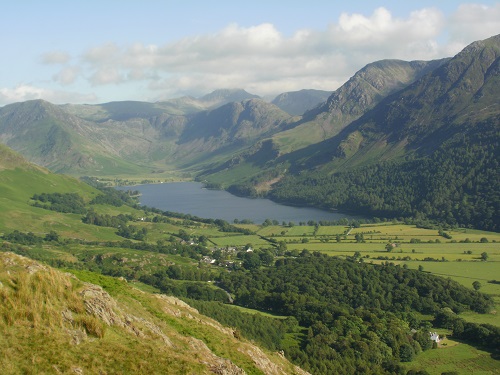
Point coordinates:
[(19, 180), (133, 332)]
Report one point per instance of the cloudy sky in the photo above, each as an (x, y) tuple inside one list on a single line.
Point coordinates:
[(88, 51)]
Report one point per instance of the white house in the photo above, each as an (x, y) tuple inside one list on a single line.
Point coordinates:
[(434, 336)]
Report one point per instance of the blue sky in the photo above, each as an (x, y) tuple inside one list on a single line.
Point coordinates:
[(98, 51)]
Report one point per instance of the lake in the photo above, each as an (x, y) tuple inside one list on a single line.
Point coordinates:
[(192, 198)]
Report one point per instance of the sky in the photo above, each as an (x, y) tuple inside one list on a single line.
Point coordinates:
[(89, 51)]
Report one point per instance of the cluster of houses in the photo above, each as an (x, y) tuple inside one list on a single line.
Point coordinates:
[(229, 252)]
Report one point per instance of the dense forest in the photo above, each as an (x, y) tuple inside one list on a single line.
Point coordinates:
[(455, 184), (359, 318)]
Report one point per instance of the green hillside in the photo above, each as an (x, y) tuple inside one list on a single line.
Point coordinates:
[(20, 180)]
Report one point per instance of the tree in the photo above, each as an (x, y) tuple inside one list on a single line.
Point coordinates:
[(203, 240), (266, 257), (359, 237), (484, 256), (52, 236), (476, 285), (282, 247), (251, 261), (423, 338), (388, 247), (406, 353), (217, 254)]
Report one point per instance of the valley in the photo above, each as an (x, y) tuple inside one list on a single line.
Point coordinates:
[(409, 149)]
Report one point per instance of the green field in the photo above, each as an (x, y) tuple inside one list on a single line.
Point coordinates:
[(240, 240), (456, 356)]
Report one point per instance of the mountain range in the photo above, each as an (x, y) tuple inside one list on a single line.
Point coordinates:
[(388, 115)]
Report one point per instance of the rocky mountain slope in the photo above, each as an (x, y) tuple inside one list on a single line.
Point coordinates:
[(450, 99), (297, 102), (78, 327)]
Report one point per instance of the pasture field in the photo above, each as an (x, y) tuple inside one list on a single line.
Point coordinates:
[(456, 356), (331, 230), (240, 240), (404, 233), (420, 251), (254, 312), (276, 230), (458, 258), (252, 227)]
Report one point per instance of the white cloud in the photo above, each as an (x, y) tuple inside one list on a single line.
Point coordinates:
[(262, 58), (106, 53), (67, 75), (474, 22), (106, 75), (25, 92), (265, 62), (55, 57)]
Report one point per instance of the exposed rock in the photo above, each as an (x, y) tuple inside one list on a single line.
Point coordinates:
[(263, 362), (35, 267), (77, 336), (100, 304), (67, 316), (217, 364), (188, 313)]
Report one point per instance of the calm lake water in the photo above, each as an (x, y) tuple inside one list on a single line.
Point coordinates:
[(192, 198)]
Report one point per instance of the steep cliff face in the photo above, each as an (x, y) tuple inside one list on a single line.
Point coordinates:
[(53, 322)]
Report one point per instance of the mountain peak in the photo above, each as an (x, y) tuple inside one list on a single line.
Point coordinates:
[(222, 96)]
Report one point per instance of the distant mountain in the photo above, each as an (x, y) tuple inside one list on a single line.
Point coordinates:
[(133, 137), (296, 103), (448, 100), (236, 121), (220, 97), (230, 127), (390, 112), (48, 135), (188, 104)]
